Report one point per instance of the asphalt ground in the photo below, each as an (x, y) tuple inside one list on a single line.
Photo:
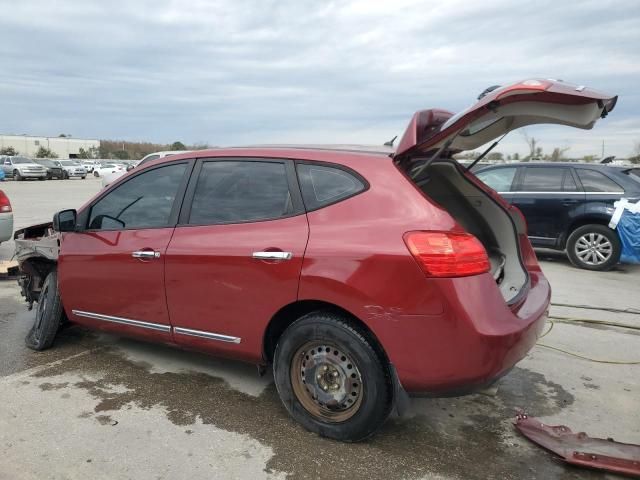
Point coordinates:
[(105, 407)]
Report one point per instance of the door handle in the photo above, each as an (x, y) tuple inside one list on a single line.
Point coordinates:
[(273, 255), (145, 254), (566, 203)]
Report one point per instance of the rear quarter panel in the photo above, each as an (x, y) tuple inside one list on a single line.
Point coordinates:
[(356, 257)]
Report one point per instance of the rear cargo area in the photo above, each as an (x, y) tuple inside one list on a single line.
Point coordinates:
[(481, 216)]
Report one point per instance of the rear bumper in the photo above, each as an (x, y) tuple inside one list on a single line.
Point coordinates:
[(474, 341)]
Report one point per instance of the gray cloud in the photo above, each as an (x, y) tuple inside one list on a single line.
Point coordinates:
[(234, 72)]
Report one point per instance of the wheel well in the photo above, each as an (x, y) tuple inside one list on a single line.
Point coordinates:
[(35, 271), (580, 222), (290, 313)]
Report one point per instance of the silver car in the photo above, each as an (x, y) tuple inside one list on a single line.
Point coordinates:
[(21, 168), (6, 218), (72, 169)]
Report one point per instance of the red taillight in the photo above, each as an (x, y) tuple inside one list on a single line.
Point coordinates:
[(447, 254), (5, 204)]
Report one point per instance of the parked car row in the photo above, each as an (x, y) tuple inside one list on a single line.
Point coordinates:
[(23, 168)]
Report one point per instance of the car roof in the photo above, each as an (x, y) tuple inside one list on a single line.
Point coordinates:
[(328, 153), (595, 166)]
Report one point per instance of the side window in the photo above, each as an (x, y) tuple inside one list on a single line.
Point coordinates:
[(542, 179), (240, 191), (145, 201), (569, 184), (594, 181), (322, 185), (500, 179)]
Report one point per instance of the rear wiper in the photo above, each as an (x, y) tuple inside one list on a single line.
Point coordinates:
[(484, 154)]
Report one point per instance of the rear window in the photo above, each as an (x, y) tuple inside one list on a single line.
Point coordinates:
[(323, 185), (594, 181)]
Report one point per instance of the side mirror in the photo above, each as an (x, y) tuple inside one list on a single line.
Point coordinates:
[(130, 167), (65, 221)]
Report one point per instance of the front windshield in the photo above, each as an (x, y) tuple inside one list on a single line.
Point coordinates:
[(67, 163), (21, 160)]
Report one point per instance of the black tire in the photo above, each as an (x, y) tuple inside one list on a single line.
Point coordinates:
[(65, 175), (84, 177), (578, 245), (17, 177), (43, 178), (49, 315), (374, 397), (49, 176), (96, 174)]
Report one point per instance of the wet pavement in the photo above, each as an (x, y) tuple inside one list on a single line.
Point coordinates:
[(98, 406)]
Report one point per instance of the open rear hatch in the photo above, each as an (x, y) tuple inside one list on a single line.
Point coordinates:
[(433, 136)]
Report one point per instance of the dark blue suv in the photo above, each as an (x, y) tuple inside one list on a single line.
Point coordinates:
[(567, 205)]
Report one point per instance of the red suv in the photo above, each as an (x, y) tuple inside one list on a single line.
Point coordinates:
[(360, 276)]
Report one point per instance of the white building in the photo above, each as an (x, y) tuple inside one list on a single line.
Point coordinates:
[(64, 147)]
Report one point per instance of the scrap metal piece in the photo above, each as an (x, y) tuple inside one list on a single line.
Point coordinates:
[(579, 448)]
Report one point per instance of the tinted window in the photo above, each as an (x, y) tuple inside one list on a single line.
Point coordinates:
[(240, 191), (499, 179), (322, 185), (145, 201), (543, 179), (569, 184), (594, 181)]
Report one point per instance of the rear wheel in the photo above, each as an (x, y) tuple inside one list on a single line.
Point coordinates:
[(331, 379), (49, 314), (594, 247), (84, 177)]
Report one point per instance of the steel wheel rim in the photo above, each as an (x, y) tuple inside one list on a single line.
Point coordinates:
[(593, 248), (326, 381)]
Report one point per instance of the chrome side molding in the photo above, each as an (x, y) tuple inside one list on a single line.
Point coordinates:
[(158, 327), (124, 321), (208, 335)]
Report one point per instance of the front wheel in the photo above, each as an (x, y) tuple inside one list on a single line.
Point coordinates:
[(49, 314), (65, 176), (17, 176), (331, 379), (84, 177), (96, 174), (594, 247)]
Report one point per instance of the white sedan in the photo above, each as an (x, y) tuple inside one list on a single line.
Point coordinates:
[(6, 218), (108, 168)]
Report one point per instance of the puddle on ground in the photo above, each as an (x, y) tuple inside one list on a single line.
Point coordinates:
[(468, 437)]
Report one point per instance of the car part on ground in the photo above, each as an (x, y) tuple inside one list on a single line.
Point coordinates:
[(6, 218), (580, 449), (291, 229)]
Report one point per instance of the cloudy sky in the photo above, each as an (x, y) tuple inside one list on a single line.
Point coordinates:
[(233, 72)]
